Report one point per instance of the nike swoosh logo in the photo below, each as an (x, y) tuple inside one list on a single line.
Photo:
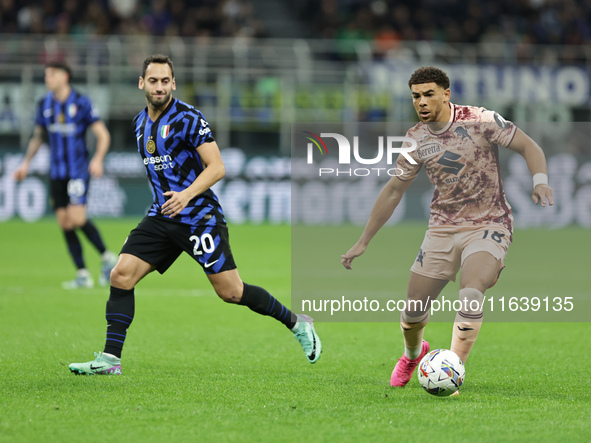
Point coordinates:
[(313, 354), (207, 265), (465, 329), (96, 367), (138, 138)]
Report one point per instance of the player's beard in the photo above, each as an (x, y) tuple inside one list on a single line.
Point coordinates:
[(158, 102)]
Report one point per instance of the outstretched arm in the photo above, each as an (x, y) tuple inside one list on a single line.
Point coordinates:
[(382, 210), (34, 144), (536, 162), (214, 171)]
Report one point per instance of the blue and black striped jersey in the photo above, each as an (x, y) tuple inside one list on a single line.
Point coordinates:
[(66, 124), (168, 148)]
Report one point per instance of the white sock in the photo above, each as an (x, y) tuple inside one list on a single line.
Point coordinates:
[(107, 255), (110, 356), (413, 354)]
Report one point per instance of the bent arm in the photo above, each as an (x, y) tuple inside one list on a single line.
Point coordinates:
[(523, 145), (214, 171)]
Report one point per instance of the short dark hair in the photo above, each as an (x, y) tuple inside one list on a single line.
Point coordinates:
[(63, 66), (429, 74), (157, 58)]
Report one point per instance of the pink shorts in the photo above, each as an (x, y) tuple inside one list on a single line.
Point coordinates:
[(444, 249)]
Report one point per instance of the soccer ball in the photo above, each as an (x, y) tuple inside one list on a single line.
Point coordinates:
[(441, 372)]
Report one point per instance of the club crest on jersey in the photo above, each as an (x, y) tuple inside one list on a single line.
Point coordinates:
[(72, 110), (164, 131), (151, 146)]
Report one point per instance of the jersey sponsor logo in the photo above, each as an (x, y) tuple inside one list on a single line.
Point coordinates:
[(150, 147), (448, 159), (456, 179), (204, 127), (164, 131), (72, 110), (429, 150), (157, 160), (160, 162), (62, 128)]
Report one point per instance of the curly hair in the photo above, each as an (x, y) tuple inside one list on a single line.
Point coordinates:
[(429, 74)]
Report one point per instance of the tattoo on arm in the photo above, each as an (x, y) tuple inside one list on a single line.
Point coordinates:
[(40, 133)]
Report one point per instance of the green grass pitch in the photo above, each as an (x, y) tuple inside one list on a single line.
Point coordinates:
[(197, 369)]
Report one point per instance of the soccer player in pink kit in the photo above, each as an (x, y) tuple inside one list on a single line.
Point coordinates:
[(470, 226)]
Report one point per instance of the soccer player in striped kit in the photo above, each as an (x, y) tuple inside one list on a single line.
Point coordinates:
[(63, 117), (182, 162), (471, 225)]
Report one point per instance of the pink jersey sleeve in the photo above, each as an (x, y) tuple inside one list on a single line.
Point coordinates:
[(409, 171), (496, 129)]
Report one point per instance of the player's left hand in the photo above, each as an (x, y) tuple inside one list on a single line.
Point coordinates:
[(95, 167), (175, 204), (541, 194)]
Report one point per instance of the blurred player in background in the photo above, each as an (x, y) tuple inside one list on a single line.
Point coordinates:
[(471, 224), (62, 118), (182, 162)]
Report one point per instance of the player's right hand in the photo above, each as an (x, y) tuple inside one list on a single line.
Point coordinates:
[(355, 251), (20, 173)]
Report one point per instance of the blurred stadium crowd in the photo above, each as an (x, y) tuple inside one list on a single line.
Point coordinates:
[(565, 22), (228, 18)]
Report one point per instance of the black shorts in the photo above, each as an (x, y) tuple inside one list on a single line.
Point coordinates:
[(159, 242), (68, 192)]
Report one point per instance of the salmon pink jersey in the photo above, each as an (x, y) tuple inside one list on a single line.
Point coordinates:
[(462, 161)]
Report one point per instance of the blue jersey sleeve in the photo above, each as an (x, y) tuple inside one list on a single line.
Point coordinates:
[(197, 130), (89, 113)]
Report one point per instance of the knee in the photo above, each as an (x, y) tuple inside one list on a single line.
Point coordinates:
[(78, 222), (122, 278), (472, 301), (416, 305), (66, 225), (476, 283), (230, 294)]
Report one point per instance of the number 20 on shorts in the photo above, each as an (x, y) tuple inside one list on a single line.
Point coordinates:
[(205, 242)]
